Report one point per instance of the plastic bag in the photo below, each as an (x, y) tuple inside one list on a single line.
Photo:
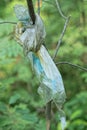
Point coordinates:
[(51, 84), (21, 13), (28, 35), (52, 79), (51, 87)]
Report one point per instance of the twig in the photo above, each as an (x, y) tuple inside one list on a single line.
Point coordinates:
[(8, 22), (61, 36), (48, 105), (58, 45), (64, 29), (31, 10), (73, 65), (59, 10), (49, 2), (48, 115), (39, 7)]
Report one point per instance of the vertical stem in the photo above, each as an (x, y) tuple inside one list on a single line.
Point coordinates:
[(39, 7), (31, 10), (61, 37), (32, 15), (48, 106), (48, 115)]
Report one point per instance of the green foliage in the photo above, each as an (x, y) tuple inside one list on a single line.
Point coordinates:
[(76, 112), (21, 108)]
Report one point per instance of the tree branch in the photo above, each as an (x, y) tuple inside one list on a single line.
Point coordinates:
[(31, 10), (57, 48), (48, 115), (39, 7), (8, 22), (73, 65), (61, 37), (64, 29), (59, 10), (49, 2)]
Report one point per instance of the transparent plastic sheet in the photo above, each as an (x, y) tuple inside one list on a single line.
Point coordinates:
[(51, 87), (52, 79), (51, 84), (34, 36), (21, 13)]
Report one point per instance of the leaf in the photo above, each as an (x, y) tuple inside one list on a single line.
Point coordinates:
[(4, 120), (76, 114), (14, 98), (31, 118), (79, 122), (3, 107), (25, 115), (84, 76)]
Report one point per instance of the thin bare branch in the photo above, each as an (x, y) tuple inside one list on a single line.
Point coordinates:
[(64, 29), (31, 10), (57, 48), (49, 2), (48, 115), (73, 65), (61, 36), (39, 7), (59, 10), (8, 22)]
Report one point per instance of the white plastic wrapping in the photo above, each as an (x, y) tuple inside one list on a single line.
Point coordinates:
[(28, 35), (21, 13), (51, 84), (52, 79), (51, 87)]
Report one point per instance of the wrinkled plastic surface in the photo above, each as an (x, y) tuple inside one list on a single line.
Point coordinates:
[(21, 13), (33, 35), (51, 87), (51, 84)]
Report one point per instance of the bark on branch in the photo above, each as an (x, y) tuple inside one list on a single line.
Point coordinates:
[(8, 22), (72, 65), (31, 10), (55, 54)]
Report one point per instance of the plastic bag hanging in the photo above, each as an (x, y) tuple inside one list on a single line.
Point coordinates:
[(31, 37)]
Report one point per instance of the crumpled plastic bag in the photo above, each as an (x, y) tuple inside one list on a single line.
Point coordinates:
[(21, 13), (28, 35), (51, 84), (51, 87)]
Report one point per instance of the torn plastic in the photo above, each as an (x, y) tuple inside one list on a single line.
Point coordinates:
[(51, 84)]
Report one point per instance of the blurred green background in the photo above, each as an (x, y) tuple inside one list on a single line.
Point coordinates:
[(21, 108)]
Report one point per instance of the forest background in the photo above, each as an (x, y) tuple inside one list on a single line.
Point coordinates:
[(21, 108)]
